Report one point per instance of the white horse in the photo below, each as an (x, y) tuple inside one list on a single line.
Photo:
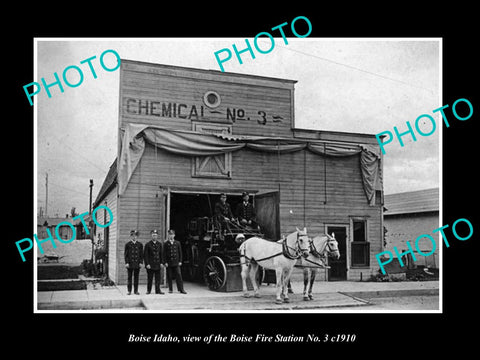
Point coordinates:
[(279, 256), (321, 247)]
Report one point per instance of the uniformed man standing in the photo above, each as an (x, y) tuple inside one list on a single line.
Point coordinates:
[(133, 260), (173, 261), (153, 256)]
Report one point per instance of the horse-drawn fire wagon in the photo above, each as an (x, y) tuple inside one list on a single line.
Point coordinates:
[(211, 252)]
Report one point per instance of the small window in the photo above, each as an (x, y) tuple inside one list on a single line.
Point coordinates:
[(213, 166), (211, 99), (360, 254), (360, 245), (359, 231), (216, 166)]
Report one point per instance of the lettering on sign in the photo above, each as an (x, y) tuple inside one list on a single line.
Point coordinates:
[(196, 112)]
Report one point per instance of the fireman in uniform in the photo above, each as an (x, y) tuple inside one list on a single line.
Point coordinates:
[(223, 214), (133, 260), (222, 208), (153, 256), (245, 212), (173, 261)]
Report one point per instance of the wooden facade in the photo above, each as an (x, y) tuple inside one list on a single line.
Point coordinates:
[(289, 190)]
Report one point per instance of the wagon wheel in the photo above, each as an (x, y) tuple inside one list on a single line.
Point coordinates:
[(215, 273)]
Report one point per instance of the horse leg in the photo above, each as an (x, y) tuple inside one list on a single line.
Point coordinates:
[(253, 279), (280, 284), (287, 273), (305, 283), (312, 280), (244, 274), (289, 287)]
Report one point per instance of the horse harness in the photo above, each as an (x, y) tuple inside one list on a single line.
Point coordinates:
[(318, 254), (285, 252)]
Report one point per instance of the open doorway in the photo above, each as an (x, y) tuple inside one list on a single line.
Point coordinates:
[(338, 268), (186, 206), (190, 215)]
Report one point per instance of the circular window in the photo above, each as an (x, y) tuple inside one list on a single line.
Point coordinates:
[(211, 99)]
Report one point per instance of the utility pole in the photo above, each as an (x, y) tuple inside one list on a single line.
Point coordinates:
[(90, 203), (46, 194)]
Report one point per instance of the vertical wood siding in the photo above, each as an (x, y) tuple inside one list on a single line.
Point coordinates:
[(302, 191), (314, 190)]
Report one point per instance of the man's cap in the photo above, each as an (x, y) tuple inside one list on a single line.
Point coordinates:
[(244, 193), (133, 232), (171, 231), (223, 194), (154, 231), (240, 238)]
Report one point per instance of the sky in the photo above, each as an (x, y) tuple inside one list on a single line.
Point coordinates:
[(351, 85)]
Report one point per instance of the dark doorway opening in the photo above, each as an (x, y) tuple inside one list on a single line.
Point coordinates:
[(190, 215), (338, 268), (198, 208), (184, 207)]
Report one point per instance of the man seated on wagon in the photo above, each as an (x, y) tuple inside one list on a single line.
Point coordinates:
[(223, 214), (245, 212)]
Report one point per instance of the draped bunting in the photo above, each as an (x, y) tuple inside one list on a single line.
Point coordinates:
[(192, 143)]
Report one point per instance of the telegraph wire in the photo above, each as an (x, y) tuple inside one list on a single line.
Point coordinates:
[(359, 69), (50, 202), (60, 186), (82, 156), (72, 190)]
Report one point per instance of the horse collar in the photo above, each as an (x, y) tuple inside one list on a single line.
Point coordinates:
[(286, 251), (314, 251)]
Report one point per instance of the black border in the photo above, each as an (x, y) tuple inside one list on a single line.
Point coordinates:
[(379, 334)]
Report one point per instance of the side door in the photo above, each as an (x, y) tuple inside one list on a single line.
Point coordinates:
[(338, 268)]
